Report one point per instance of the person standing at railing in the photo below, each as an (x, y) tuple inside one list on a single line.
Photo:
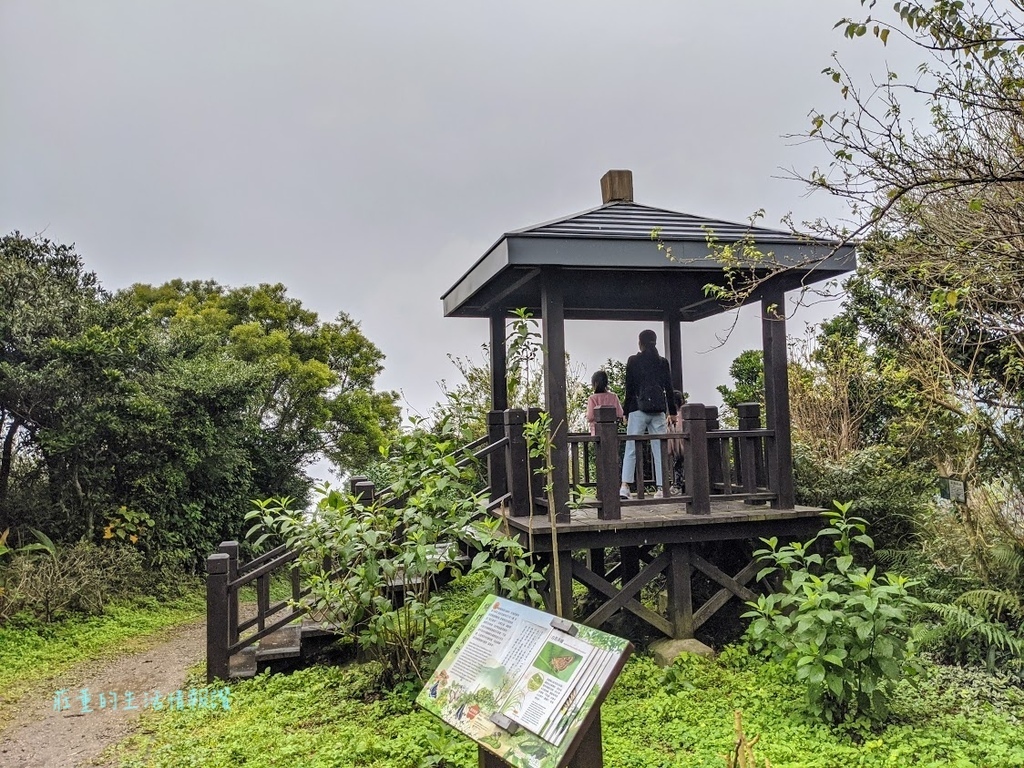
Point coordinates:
[(602, 398), (650, 404), (675, 447)]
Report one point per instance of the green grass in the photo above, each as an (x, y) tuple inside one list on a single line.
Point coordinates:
[(333, 716), (32, 655)]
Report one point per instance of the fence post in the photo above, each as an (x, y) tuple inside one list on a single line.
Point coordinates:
[(497, 478), (517, 465), (607, 463), (750, 418), (354, 481), (217, 566), (230, 548), (716, 476), (365, 491), (698, 486)]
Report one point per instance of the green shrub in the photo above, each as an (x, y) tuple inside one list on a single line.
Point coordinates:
[(374, 569), (82, 579), (889, 494), (845, 631)]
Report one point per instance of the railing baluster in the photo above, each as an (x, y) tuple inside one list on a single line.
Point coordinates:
[(750, 418), (262, 598)]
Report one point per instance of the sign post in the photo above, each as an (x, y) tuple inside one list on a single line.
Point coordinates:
[(527, 686)]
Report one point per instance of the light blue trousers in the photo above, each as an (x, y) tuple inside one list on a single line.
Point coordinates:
[(640, 423)]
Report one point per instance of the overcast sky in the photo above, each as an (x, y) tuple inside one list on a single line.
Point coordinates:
[(366, 154)]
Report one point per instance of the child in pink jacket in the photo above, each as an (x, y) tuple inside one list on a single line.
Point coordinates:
[(601, 398)]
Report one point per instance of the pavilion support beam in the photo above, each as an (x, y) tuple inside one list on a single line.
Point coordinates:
[(499, 362), (673, 341), (553, 331), (776, 397)]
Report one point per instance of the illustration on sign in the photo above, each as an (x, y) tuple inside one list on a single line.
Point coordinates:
[(520, 682)]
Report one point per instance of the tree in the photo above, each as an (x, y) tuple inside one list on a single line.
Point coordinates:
[(747, 371), (938, 208), (45, 294), (177, 404), (317, 394)]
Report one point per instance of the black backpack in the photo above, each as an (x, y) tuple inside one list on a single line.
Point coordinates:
[(651, 399)]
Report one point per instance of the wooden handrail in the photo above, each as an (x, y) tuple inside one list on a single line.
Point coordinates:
[(263, 569), (258, 561)]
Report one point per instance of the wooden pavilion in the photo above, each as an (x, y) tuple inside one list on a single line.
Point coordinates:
[(603, 264)]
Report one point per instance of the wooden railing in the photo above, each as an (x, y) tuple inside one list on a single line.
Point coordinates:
[(226, 635), (724, 464)]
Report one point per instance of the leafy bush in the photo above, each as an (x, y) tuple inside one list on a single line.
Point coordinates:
[(844, 630), (374, 569)]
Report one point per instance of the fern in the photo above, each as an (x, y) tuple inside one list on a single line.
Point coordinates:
[(995, 603), (1010, 561), (965, 624), (900, 560)]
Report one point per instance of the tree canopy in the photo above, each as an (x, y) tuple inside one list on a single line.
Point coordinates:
[(938, 210), (179, 403)]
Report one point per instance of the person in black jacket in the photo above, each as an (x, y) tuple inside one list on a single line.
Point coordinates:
[(649, 395)]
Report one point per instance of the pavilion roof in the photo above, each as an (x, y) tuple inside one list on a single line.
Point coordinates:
[(610, 266)]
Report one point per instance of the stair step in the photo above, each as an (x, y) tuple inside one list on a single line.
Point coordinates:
[(243, 664), (313, 628), (285, 643)]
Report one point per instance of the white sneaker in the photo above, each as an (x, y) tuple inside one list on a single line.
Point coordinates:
[(659, 494), (624, 493)]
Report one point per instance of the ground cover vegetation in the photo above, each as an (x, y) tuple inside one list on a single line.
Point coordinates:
[(344, 715)]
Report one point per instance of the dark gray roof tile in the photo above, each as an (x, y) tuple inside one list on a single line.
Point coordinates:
[(631, 221)]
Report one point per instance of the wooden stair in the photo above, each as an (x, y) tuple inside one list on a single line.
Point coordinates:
[(282, 645), (287, 643)]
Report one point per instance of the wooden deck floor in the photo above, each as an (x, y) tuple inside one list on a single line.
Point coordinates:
[(668, 521)]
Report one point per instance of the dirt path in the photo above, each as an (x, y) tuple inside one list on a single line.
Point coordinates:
[(41, 736)]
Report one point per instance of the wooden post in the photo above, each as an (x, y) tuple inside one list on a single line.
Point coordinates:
[(607, 464), (499, 363), (517, 464), (680, 598), (217, 616), (717, 475), (365, 491), (629, 564), (536, 464), (589, 753), (776, 398), (749, 418), (563, 583), (697, 475), (230, 548), (497, 478), (354, 481), (553, 331)]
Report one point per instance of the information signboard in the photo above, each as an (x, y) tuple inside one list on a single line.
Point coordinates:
[(952, 489), (523, 683)]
